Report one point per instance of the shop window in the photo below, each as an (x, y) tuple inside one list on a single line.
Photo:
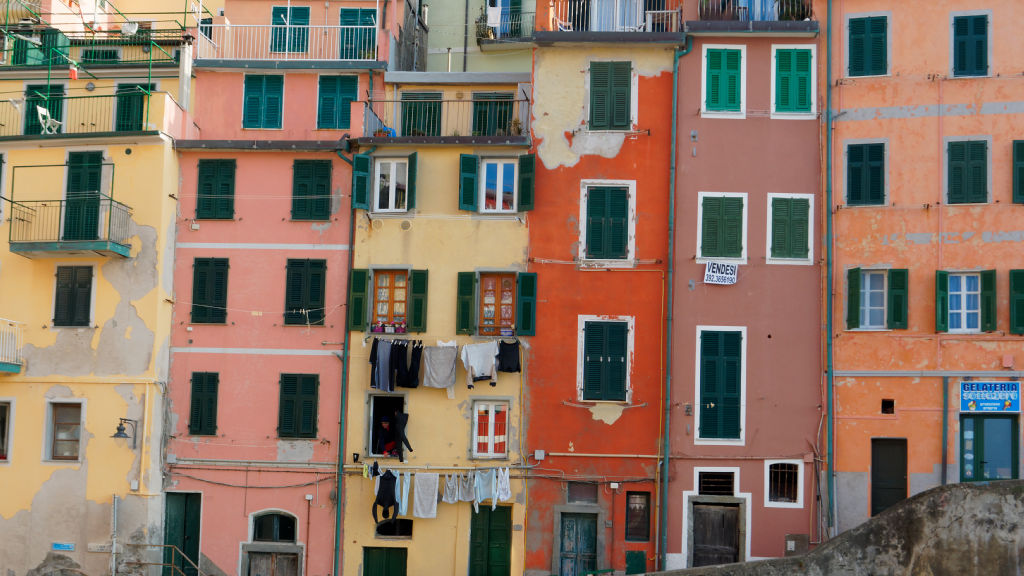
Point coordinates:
[(715, 483), (638, 516), (581, 493), (988, 447)]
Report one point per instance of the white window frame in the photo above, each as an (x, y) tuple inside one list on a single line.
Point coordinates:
[(634, 95), (745, 510), (394, 162), (92, 296), (482, 192), (581, 324), (945, 164), (491, 404), (368, 426), (810, 231), (844, 201), (885, 299), (952, 44), (47, 456), (964, 311), (888, 42), (9, 432), (741, 441), (768, 502), (700, 228), (813, 114), (704, 112), (630, 260)]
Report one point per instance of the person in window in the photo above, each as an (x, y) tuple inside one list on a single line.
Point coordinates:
[(386, 443)]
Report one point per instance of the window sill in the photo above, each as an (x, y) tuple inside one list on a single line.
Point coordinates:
[(490, 458), (868, 76), (389, 213), (789, 261), (261, 129), (62, 462), (724, 114), (606, 263), (328, 219), (64, 327), (985, 203), (611, 130), (870, 329), (212, 219), (719, 442), (879, 205), (725, 259), (208, 323), (791, 505), (589, 403), (310, 438), (298, 325), (955, 76), (812, 115)]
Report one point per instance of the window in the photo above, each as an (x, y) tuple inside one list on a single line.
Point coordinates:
[(888, 406), (263, 101), (1016, 301), (492, 113), (1018, 171), (297, 411), (989, 447), (399, 300), (721, 389), (358, 41), (311, 190), (66, 429), (496, 185), (877, 299), (865, 174), (794, 80), (608, 223), (384, 411), (790, 228), (48, 96), (421, 114), (505, 306), (273, 528), (395, 528), (604, 363), (967, 163), (490, 425), (334, 107), (723, 81), (965, 302), (210, 290), (304, 292), (5, 431), (390, 192), (215, 199), (73, 301), (581, 493), (99, 56), (610, 95), (290, 28), (716, 483), (395, 189), (869, 46), (638, 516), (723, 224), (970, 45), (784, 484), (202, 419), (131, 106), (273, 550)]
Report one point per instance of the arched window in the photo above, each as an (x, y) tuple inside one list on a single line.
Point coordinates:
[(274, 527)]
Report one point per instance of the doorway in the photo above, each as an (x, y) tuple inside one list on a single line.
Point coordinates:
[(988, 447), (490, 542), (578, 537), (181, 530), (716, 534), (888, 472)]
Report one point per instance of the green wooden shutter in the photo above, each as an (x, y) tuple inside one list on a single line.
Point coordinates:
[(858, 46), (856, 184), (1018, 171), (617, 224), (594, 337), (327, 103), (720, 375), (970, 45), (600, 95), (295, 277), (799, 238), (790, 222), (209, 290), (417, 301), (201, 305), (898, 299), (526, 304), (597, 208), (732, 227), (305, 288), (875, 173), (1016, 301), (527, 177), (216, 194), (957, 172), (621, 94), (781, 215), (311, 190), (273, 99), (316, 290), (410, 182), (218, 297), (203, 409), (82, 295), (465, 305), (711, 226), (478, 537), (130, 106), (469, 169), (877, 46), (252, 105), (988, 300), (722, 80), (977, 171), (732, 88), (73, 296), (321, 189), (793, 80), (287, 426), (941, 301), (357, 298), (362, 164), (306, 401), (616, 352), (853, 298), (50, 97), (278, 31)]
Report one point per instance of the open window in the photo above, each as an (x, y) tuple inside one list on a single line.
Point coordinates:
[(496, 185), (392, 301), (384, 437), (496, 303)]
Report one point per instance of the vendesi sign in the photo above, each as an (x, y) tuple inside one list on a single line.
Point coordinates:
[(720, 273), (989, 396)]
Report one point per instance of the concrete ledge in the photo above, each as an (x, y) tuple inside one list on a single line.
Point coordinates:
[(806, 28), (586, 37)]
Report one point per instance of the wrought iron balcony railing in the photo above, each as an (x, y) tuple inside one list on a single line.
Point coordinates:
[(755, 10), (83, 222), (267, 42), (420, 115), (10, 346), (614, 15), (46, 112), (503, 25)]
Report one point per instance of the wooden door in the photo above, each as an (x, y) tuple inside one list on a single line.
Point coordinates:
[(490, 542), (888, 472), (716, 534), (578, 544), (181, 530)]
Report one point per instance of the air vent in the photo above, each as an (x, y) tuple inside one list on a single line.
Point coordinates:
[(716, 484)]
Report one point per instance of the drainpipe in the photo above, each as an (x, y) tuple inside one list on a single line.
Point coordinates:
[(829, 379), (667, 403), (465, 39), (945, 425)]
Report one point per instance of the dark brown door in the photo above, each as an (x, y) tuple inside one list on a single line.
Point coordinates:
[(888, 472), (716, 534)]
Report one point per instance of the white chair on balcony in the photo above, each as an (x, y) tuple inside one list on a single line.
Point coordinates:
[(48, 124)]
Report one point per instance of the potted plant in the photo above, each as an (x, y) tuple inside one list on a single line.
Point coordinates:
[(483, 31), (515, 127)]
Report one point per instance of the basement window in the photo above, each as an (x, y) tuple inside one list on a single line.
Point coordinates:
[(395, 528), (715, 483), (784, 487)]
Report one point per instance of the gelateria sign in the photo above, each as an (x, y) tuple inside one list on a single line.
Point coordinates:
[(720, 273), (990, 396)]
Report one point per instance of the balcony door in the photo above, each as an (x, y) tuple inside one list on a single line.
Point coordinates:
[(82, 203), (357, 33), (131, 106)]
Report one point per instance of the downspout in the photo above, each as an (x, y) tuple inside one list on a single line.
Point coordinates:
[(829, 379), (465, 39), (945, 426), (667, 402)]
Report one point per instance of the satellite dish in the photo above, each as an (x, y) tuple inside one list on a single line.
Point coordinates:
[(129, 28)]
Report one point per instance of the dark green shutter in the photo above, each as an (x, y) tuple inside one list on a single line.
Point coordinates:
[(278, 30), (616, 352), (732, 227), (316, 288), (465, 308), (793, 80), (597, 208), (722, 79), (865, 174), (1016, 301), (600, 95), (898, 299), (311, 190), (469, 169), (362, 164), (526, 304), (410, 182), (73, 296), (621, 88), (970, 45), (781, 214), (209, 290), (203, 409), (1018, 171), (418, 301), (50, 97), (711, 226), (305, 286), (858, 42), (607, 223), (262, 102), (527, 177), (720, 375), (273, 100), (295, 289), (82, 205), (307, 404), (130, 106), (594, 336), (357, 296), (941, 301), (216, 195), (252, 104), (977, 171), (790, 222), (297, 410), (988, 301), (334, 107), (490, 541), (869, 46), (286, 424), (853, 298)]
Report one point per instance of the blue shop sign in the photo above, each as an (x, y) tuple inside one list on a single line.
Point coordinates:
[(63, 546), (990, 396)]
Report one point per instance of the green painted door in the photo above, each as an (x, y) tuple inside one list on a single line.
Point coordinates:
[(181, 530), (988, 447), (490, 542), (578, 554), (421, 114), (384, 561), (492, 113), (131, 106), (82, 203), (357, 39)]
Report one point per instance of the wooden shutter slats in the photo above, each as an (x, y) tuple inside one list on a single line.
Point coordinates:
[(898, 288)]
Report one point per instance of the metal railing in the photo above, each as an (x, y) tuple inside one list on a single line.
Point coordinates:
[(447, 118), (10, 342), (614, 15), (173, 562), (126, 111), (755, 10), (507, 26), (83, 217), (266, 42)]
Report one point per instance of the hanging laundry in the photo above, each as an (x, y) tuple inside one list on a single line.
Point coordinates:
[(478, 360), (401, 422), (402, 492), (374, 470), (382, 367), (424, 504), (373, 363), (407, 375), (467, 488), (484, 483), (451, 489), (502, 485), (399, 360), (385, 495), (439, 368), (366, 470), (508, 356)]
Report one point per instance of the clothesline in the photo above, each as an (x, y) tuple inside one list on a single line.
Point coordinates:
[(430, 467)]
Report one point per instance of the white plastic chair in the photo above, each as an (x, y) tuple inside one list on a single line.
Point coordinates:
[(48, 124)]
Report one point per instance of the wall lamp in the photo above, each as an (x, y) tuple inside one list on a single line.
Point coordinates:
[(120, 429)]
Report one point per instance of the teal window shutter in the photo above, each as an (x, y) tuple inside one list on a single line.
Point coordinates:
[(853, 298), (732, 227), (465, 306), (311, 190), (941, 301), (898, 299), (252, 105), (418, 301), (967, 172), (203, 404), (362, 164), (297, 410), (469, 170), (605, 349), (865, 174), (793, 80), (594, 335), (309, 385), (790, 228), (621, 94), (781, 214), (410, 186), (711, 226), (1016, 301), (334, 108), (597, 208), (970, 45), (722, 80), (278, 32), (273, 100), (607, 223), (216, 195), (720, 375), (359, 280), (600, 95), (131, 106), (526, 304), (988, 300), (73, 297), (305, 289), (869, 46), (527, 178), (209, 290), (1018, 171)]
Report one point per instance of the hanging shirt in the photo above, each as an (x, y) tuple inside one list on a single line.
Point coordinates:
[(467, 488), (383, 366), (479, 362), (385, 495), (439, 368), (451, 489), (508, 356), (424, 504), (484, 489), (502, 485)]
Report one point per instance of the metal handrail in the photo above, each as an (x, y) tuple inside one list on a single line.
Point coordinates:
[(105, 219), (510, 26), (614, 16), (281, 42), (11, 341), (176, 570), (755, 10), (448, 118), (101, 113)]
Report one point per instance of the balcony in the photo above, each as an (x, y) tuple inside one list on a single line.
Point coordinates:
[(46, 113), (419, 118), (502, 29), (37, 46), (11, 341), (631, 16), (224, 44), (725, 16)]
